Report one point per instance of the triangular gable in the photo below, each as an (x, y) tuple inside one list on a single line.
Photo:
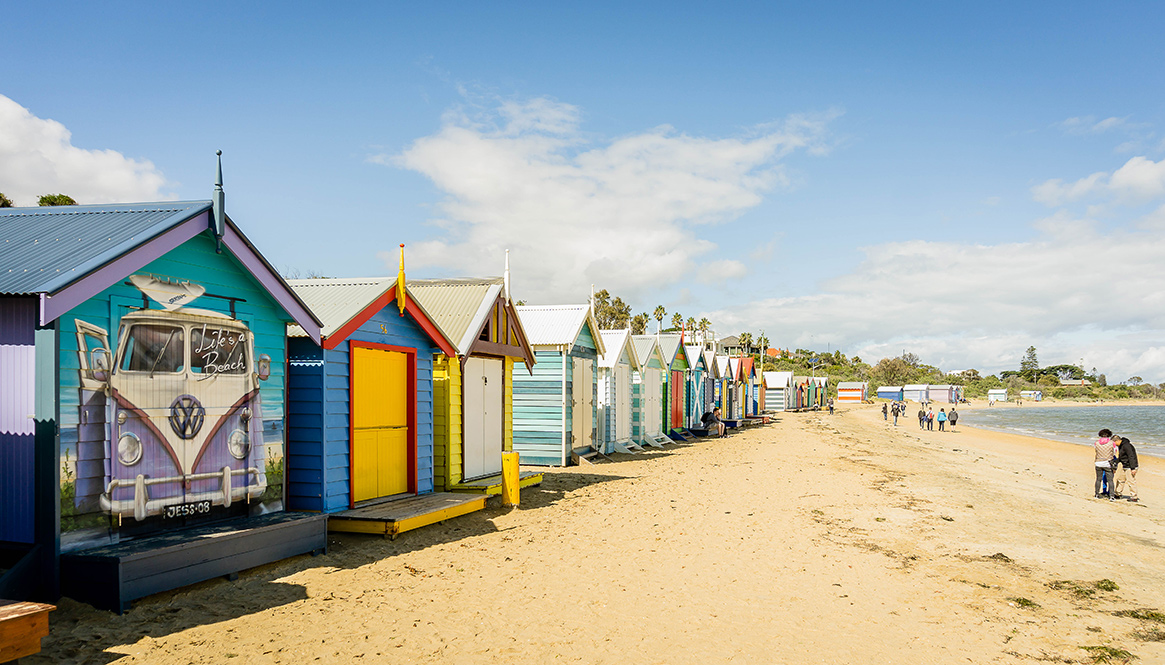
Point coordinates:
[(347, 304), (137, 234), (674, 352), (696, 358), (466, 309), (619, 346), (560, 326), (648, 350)]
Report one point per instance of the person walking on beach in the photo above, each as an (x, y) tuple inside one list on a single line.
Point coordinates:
[(830, 406), (942, 420), (921, 418), (1126, 473), (1105, 453), (895, 411), (953, 417), (885, 411), (930, 420)]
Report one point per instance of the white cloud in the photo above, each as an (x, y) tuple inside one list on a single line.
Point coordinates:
[(1072, 292), (623, 213), (1091, 125), (37, 157), (1139, 180)]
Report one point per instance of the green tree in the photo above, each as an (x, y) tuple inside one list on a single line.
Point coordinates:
[(611, 313), (56, 200), (660, 312), (704, 325), (891, 372), (690, 324), (677, 320), (5, 202), (639, 323), (746, 343), (1030, 365)]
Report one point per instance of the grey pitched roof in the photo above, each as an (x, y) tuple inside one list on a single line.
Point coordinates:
[(615, 341), (557, 325), (458, 306), (336, 301), (45, 249)]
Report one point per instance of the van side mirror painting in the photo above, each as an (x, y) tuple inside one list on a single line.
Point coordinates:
[(100, 362), (263, 366)]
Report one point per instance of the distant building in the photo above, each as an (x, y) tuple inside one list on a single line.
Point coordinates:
[(1075, 382)]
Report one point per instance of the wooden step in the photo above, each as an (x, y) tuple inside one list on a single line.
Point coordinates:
[(628, 447)]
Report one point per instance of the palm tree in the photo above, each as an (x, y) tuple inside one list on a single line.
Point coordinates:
[(746, 343), (677, 320), (690, 324), (660, 312)]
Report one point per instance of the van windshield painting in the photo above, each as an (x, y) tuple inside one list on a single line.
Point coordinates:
[(155, 349), (217, 350)]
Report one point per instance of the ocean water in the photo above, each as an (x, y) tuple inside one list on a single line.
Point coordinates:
[(1143, 425)]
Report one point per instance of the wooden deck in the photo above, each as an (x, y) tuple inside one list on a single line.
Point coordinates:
[(492, 485), (390, 518), (22, 625), (113, 576)]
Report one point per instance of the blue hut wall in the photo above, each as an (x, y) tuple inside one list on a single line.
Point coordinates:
[(541, 408), (18, 317), (85, 447), (319, 464)]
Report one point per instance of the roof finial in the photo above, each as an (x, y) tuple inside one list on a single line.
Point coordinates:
[(218, 206), (401, 295), (506, 276)]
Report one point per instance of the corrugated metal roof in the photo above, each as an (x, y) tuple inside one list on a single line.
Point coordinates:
[(615, 341), (554, 325), (778, 379), (644, 347), (850, 385), (457, 306), (45, 249), (336, 301), (669, 345)]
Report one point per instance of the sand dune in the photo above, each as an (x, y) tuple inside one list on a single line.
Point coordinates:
[(816, 539)]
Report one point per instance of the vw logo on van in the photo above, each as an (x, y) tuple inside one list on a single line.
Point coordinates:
[(186, 416)]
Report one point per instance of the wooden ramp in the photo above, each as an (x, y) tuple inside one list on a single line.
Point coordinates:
[(656, 440), (492, 485), (390, 518)]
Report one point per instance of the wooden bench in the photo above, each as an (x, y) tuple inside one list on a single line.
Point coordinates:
[(22, 625)]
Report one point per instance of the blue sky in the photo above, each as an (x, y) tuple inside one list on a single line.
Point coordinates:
[(934, 177)]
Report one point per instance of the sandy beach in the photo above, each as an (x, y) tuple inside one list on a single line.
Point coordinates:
[(815, 539)]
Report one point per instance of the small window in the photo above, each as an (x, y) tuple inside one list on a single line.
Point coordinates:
[(155, 349), (218, 350)]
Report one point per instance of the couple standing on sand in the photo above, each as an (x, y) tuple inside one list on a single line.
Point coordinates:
[(1115, 456)]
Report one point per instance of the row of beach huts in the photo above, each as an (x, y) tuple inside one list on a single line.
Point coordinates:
[(172, 409)]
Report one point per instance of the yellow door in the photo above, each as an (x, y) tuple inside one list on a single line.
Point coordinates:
[(380, 423)]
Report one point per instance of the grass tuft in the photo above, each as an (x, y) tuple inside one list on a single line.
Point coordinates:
[(1149, 635), (1025, 603), (1107, 654), (1143, 614)]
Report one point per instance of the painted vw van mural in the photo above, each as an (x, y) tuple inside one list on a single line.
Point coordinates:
[(176, 402)]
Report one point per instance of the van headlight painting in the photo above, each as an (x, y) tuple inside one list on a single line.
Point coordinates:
[(238, 444), (129, 449)]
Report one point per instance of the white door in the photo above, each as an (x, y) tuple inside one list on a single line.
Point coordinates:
[(483, 417), (622, 404), (654, 417), (582, 416)]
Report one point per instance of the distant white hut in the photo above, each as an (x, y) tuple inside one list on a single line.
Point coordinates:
[(916, 391), (1033, 395), (997, 394), (890, 392), (852, 391), (778, 391)]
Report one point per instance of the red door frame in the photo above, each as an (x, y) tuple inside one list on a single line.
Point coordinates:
[(677, 399), (411, 392)]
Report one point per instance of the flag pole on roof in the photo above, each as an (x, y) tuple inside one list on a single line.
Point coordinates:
[(218, 203), (400, 282), (506, 277)]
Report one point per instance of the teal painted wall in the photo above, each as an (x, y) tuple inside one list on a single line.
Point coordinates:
[(539, 409), (86, 458)]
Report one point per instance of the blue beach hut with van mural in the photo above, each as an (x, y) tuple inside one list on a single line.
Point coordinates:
[(145, 345)]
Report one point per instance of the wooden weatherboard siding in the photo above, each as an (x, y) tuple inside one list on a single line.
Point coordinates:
[(83, 457), (540, 409), (508, 419), (320, 467), (447, 441)]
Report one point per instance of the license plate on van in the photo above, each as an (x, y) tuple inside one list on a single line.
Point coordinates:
[(187, 509)]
